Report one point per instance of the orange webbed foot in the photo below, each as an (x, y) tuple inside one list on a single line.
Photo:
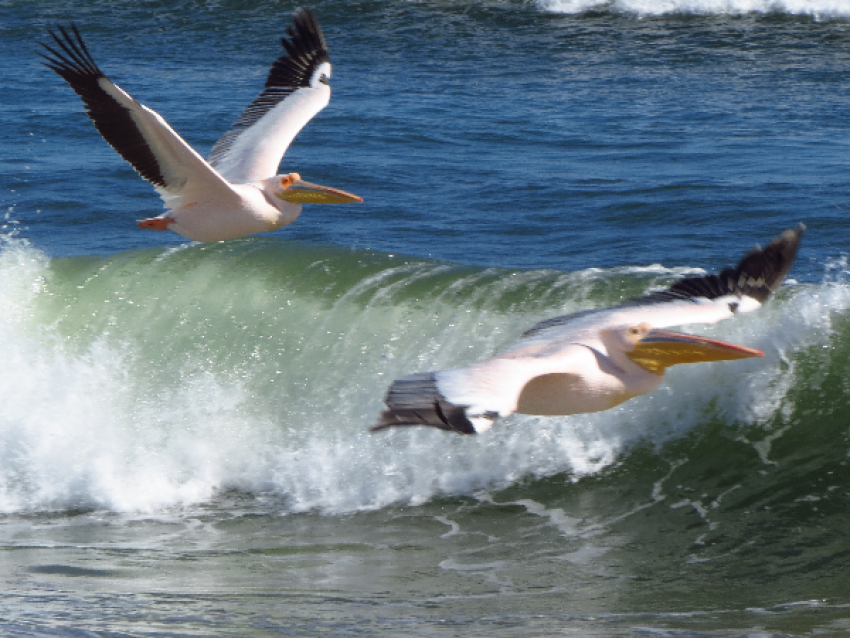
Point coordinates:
[(156, 223)]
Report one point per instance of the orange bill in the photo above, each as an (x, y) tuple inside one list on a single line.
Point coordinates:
[(660, 349), (307, 193)]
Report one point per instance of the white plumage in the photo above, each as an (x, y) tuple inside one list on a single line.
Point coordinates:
[(237, 191), (595, 359)]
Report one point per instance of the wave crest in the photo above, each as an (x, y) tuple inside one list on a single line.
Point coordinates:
[(817, 9)]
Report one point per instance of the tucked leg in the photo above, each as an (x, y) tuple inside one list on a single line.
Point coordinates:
[(156, 223)]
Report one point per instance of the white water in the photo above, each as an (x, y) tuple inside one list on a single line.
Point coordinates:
[(817, 9), (116, 423)]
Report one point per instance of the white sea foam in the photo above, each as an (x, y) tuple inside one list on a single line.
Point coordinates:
[(817, 9), (109, 421)]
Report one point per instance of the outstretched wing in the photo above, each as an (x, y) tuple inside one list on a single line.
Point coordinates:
[(467, 400), (416, 400), (138, 133), (707, 299), (297, 88)]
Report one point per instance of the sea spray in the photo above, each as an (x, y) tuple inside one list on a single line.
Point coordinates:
[(159, 378)]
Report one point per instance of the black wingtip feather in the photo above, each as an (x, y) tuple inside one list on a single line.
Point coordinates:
[(757, 275), (306, 49), (72, 61), (416, 400)]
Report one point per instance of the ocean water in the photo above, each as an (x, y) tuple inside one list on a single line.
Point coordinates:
[(184, 446)]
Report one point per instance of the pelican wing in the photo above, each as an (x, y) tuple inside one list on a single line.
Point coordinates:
[(561, 352), (296, 90), (138, 133), (467, 400), (416, 400), (707, 299)]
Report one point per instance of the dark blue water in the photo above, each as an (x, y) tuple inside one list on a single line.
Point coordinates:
[(472, 130), (183, 427)]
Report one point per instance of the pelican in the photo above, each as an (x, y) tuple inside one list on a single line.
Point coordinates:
[(593, 360), (236, 191)]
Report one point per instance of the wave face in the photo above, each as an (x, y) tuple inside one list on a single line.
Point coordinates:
[(162, 378), (180, 424)]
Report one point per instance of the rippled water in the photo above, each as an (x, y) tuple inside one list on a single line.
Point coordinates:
[(183, 430)]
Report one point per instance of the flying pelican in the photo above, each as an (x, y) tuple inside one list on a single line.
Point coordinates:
[(236, 191), (595, 359)]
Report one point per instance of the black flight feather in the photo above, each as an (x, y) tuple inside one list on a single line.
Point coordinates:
[(306, 49), (415, 400), (758, 274), (114, 121)]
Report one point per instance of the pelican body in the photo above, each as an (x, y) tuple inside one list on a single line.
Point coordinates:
[(596, 359), (236, 191)]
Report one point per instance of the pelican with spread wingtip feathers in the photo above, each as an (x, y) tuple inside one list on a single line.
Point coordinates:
[(596, 359), (236, 191)]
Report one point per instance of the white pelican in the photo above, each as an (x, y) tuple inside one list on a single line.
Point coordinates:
[(596, 359), (236, 192)]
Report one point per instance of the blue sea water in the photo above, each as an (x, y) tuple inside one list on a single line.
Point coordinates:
[(183, 427)]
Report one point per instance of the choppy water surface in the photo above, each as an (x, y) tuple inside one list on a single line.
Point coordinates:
[(183, 427)]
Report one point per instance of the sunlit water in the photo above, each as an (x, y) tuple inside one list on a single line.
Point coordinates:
[(183, 427)]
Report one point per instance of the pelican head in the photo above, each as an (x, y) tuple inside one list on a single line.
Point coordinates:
[(655, 350), (292, 188)]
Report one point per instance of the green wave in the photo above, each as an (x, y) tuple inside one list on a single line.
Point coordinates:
[(168, 376)]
